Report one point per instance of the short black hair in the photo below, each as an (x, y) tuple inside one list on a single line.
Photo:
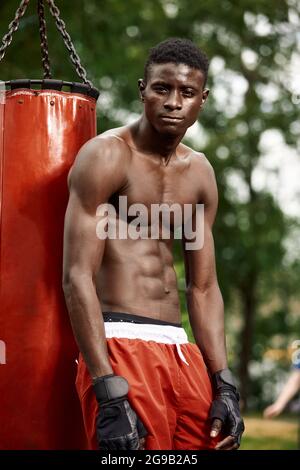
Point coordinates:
[(178, 51)]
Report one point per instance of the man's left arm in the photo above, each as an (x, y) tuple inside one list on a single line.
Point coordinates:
[(206, 314)]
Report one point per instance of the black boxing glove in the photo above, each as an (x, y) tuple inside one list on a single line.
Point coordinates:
[(225, 405), (118, 426)]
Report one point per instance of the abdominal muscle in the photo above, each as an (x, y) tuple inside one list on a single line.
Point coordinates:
[(138, 277)]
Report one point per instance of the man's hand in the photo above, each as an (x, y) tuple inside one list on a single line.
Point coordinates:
[(118, 426), (225, 411)]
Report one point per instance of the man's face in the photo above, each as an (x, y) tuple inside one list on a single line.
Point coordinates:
[(173, 96)]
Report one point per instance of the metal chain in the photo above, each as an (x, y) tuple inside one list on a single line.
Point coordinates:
[(13, 26), (44, 39), (68, 42)]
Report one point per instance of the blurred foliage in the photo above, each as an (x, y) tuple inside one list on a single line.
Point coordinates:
[(250, 45)]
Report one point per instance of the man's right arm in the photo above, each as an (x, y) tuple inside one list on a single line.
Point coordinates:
[(99, 171)]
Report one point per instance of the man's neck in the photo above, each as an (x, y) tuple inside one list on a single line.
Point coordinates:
[(148, 140)]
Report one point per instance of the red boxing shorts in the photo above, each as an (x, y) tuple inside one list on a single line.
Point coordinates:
[(169, 385)]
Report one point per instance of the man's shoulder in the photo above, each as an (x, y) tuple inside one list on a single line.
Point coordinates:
[(198, 159), (108, 147), (109, 142), (105, 155)]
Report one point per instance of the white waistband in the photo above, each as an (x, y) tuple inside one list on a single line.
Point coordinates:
[(165, 334), (160, 333)]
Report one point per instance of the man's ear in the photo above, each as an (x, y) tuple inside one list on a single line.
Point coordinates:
[(142, 86), (205, 94)]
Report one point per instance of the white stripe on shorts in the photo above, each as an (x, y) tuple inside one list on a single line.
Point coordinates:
[(165, 334)]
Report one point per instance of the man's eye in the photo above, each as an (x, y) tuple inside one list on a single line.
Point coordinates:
[(188, 93), (160, 89)]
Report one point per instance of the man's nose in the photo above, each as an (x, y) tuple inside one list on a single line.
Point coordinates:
[(173, 101)]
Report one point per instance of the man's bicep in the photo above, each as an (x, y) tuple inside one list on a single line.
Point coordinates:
[(83, 250), (200, 263), (99, 171)]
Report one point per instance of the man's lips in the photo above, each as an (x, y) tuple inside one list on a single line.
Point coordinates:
[(171, 118)]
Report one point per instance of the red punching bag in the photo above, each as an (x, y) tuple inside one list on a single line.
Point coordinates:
[(41, 130)]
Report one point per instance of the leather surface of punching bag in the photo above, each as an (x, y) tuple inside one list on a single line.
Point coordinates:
[(40, 134)]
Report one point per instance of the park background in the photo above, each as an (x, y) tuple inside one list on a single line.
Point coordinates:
[(249, 131)]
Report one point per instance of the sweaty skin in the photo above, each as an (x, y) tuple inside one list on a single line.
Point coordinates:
[(146, 162)]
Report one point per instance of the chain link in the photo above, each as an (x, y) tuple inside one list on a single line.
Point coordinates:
[(68, 42), (13, 26), (44, 39)]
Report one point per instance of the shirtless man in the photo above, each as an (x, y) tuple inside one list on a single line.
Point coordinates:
[(142, 385)]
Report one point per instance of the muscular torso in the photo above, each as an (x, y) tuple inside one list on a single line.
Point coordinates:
[(138, 276)]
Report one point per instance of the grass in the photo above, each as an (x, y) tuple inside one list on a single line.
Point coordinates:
[(281, 433)]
